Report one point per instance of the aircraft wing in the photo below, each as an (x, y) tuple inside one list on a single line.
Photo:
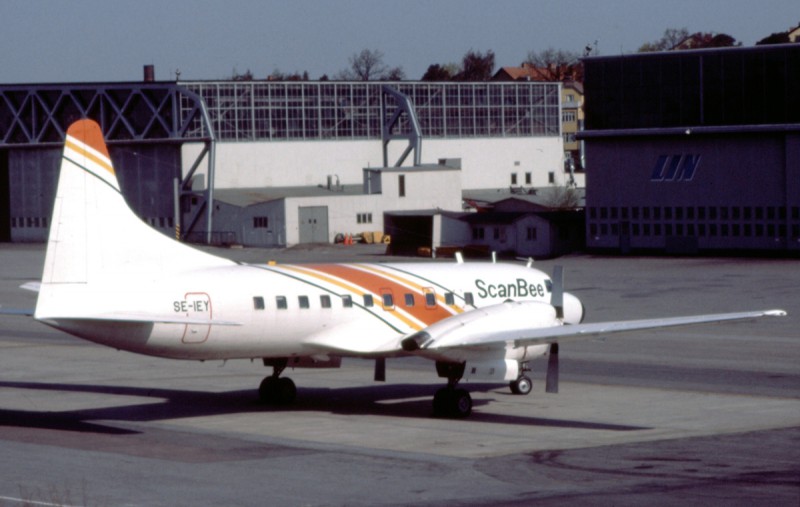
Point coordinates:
[(565, 333)]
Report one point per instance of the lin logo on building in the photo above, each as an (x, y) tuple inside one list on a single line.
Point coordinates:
[(675, 168)]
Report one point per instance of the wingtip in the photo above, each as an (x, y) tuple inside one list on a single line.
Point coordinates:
[(775, 313), (89, 133)]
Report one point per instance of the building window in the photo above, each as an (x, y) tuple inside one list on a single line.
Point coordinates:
[(513, 178), (401, 185), (568, 116), (528, 178), (531, 234), (551, 177), (569, 137), (364, 218), (477, 233), (260, 222)]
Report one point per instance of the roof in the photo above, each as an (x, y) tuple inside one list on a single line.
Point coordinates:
[(539, 197), (250, 196)]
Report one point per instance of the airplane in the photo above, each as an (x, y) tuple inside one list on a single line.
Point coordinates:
[(110, 278)]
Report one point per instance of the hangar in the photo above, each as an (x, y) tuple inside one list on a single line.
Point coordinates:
[(175, 144), (694, 151)]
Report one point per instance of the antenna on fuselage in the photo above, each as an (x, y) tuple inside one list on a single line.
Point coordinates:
[(459, 258)]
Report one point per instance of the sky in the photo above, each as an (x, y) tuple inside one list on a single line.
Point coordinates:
[(59, 41)]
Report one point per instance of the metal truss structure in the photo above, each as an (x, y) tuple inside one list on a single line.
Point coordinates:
[(39, 116)]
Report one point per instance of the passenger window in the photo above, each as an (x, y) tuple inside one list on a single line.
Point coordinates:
[(430, 299), (449, 298), (347, 301), (409, 300), (303, 301), (388, 301), (368, 302), (258, 303), (325, 301), (468, 298), (280, 302)]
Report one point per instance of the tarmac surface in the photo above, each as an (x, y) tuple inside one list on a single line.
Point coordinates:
[(693, 416)]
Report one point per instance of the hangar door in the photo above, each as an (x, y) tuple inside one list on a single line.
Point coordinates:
[(313, 224)]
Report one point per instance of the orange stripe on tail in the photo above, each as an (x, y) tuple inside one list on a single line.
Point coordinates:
[(89, 133)]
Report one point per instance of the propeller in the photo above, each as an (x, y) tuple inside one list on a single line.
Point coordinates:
[(380, 369), (557, 301), (551, 383)]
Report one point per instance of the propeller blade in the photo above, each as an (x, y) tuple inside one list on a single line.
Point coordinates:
[(557, 296), (551, 384), (380, 369)]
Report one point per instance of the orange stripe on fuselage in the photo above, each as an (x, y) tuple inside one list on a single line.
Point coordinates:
[(350, 287), (376, 282), (412, 285)]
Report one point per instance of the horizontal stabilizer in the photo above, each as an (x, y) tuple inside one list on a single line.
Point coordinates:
[(146, 318)]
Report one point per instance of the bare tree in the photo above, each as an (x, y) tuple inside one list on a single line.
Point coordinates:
[(671, 38), (556, 64), (364, 66)]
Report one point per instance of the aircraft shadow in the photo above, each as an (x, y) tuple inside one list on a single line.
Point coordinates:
[(394, 400)]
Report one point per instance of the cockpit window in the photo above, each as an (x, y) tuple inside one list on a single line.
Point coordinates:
[(548, 284)]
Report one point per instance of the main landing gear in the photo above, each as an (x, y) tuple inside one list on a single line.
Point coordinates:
[(277, 390), (451, 401), (523, 384)]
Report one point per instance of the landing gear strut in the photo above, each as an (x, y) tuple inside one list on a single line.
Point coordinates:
[(451, 401), (277, 390)]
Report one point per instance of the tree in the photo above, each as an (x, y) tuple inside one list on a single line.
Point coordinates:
[(437, 72), (774, 38), (364, 66), (246, 76), (671, 38), (556, 65), (395, 74), (475, 66)]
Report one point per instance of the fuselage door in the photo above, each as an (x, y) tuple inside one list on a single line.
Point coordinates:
[(197, 305)]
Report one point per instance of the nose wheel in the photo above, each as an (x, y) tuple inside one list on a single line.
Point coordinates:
[(522, 385)]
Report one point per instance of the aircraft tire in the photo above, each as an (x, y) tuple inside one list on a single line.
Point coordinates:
[(286, 391), (268, 389), (522, 385), (449, 402)]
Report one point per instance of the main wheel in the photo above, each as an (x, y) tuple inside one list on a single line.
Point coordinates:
[(461, 403), (522, 385), (286, 392), (268, 389), (441, 402)]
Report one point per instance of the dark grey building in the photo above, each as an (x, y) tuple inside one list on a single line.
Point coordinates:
[(692, 151)]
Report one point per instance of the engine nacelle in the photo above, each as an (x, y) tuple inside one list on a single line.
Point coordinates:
[(502, 370), (574, 312)]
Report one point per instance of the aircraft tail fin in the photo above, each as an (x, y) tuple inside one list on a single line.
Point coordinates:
[(95, 238)]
